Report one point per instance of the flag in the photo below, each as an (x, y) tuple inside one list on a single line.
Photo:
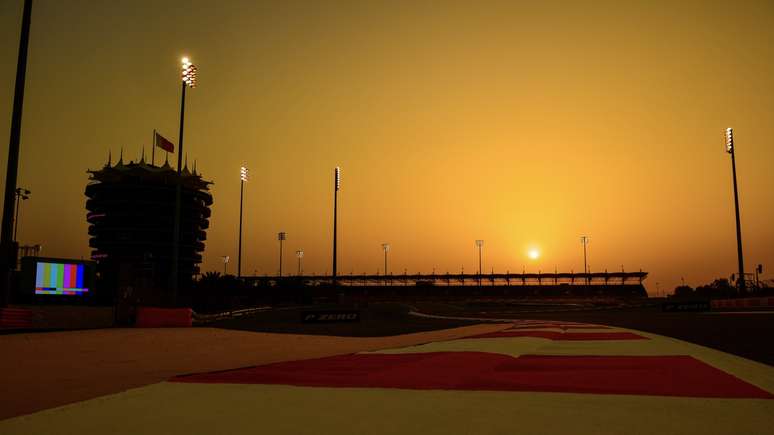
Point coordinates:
[(164, 144)]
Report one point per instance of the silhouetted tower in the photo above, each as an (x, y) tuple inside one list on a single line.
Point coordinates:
[(131, 209)]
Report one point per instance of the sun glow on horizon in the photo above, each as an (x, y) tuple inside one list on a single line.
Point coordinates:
[(533, 254)]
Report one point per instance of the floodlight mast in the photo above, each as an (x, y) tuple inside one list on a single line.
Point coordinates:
[(480, 244), (21, 194), (336, 187), (585, 242), (281, 236), (731, 150), (225, 258), (299, 255), (243, 177), (188, 80), (7, 246), (386, 249)]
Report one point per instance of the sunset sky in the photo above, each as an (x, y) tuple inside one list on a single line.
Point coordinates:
[(525, 124)]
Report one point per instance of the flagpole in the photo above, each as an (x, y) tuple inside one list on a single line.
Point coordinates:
[(153, 145)]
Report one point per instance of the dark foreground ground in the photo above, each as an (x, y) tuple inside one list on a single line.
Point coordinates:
[(747, 334)]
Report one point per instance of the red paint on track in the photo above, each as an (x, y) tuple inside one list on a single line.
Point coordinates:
[(557, 325), (642, 375), (562, 336)]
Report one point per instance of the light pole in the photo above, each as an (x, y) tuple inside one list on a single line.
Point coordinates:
[(225, 258), (299, 255), (730, 150), (480, 244), (242, 177), (336, 187), (188, 79), (386, 249), (21, 194), (7, 248), (585, 241), (281, 236)]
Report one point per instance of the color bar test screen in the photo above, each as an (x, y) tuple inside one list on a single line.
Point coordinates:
[(59, 279)]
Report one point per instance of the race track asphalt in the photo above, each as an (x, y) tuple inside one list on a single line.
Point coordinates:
[(745, 334)]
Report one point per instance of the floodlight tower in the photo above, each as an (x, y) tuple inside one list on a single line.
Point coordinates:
[(336, 187), (585, 241), (243, 177), (299, 255), (21, 194), (225, 258), (386, 249), (730, 150), (188, 80), (480, 244), (7, 247), (281, 236)]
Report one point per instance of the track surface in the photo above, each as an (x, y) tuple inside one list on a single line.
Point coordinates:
[(527, 376), (746, 334), (377, 320), (47, 369)]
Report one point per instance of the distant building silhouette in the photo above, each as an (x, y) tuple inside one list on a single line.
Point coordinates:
[(131, 216)]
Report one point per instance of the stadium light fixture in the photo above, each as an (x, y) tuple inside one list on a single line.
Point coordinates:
[(188, 73)]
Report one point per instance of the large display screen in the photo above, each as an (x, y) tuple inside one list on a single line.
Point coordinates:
[(60, 279)]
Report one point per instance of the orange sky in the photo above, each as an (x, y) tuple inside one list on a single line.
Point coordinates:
[(523, 124)]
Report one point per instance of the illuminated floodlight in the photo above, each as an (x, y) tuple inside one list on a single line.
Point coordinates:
[(189, 73), (386, 247), (729, 140), (300, 253), (338, 178), (243, 173)]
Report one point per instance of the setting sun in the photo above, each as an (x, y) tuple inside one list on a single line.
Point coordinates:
[(533, 254)]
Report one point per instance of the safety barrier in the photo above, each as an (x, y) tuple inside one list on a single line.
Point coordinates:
[(152, 317), (207, 318), (765, 302), (15, 318)]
